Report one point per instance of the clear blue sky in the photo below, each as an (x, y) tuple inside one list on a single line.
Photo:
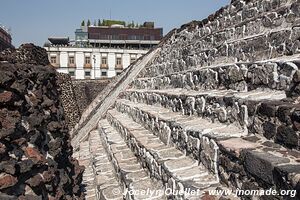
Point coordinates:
[(36, 20)]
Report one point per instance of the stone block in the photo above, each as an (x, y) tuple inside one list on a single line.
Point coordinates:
[(269, 129), (235, 146), (288, 136), (288, 176), (261, 165)]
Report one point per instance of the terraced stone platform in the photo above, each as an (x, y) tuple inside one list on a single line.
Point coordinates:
[(214, 107)]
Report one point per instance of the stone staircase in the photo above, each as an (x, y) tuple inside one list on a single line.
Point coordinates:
[(215, 107), (99, 177)]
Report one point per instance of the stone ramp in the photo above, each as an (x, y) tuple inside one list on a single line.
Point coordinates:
[(95, 112)]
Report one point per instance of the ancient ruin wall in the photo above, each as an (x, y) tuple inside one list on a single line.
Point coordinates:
[(245, 46), (77, 95), (35, 151), (69, 101), (87, 90)]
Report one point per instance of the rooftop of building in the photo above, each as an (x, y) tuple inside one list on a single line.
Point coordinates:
[(112, 34), (117, 24)]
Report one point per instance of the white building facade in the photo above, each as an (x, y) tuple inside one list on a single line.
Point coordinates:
[(102, 51), (92, 63)]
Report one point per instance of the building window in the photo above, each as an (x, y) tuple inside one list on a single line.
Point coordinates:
[(103, 73), (87, 73), (87, 60), (53, 59), (118, 73), (104, 61), (146, 37), (119, 61), (71, 73), (71, 60)]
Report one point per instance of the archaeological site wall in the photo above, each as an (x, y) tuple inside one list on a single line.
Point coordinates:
[(87, 90), (77, 95), (69, 100), (215, 106), (35, 150)]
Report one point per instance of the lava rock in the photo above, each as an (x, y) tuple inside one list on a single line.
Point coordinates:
[(287, 136), (30, 104), (7, 180), (261, 165)]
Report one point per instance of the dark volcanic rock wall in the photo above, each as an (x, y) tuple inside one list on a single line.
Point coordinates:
[(69, 100), (35, 151), (87, 90), (77, 95), (27, 53)]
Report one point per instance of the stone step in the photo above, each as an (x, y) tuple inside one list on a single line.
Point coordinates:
[(130, 173), (99, 179), (164, 162), (252, 157), (261, 111), (84, 158), (225, 106), (107, 185), (248, 16), (279, 74), (229, 153), (262, 40), (156, 118), (225, 39), (192, 135)]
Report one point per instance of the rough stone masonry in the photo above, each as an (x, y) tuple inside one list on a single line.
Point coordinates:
[(216, 106), (35, 151)]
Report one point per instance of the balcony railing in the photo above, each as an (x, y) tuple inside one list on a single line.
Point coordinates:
[(104, 66), (119, 67), (87, 65), (72, 65)]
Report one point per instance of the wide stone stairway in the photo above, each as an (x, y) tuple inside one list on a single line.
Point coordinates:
[(214, 108)]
